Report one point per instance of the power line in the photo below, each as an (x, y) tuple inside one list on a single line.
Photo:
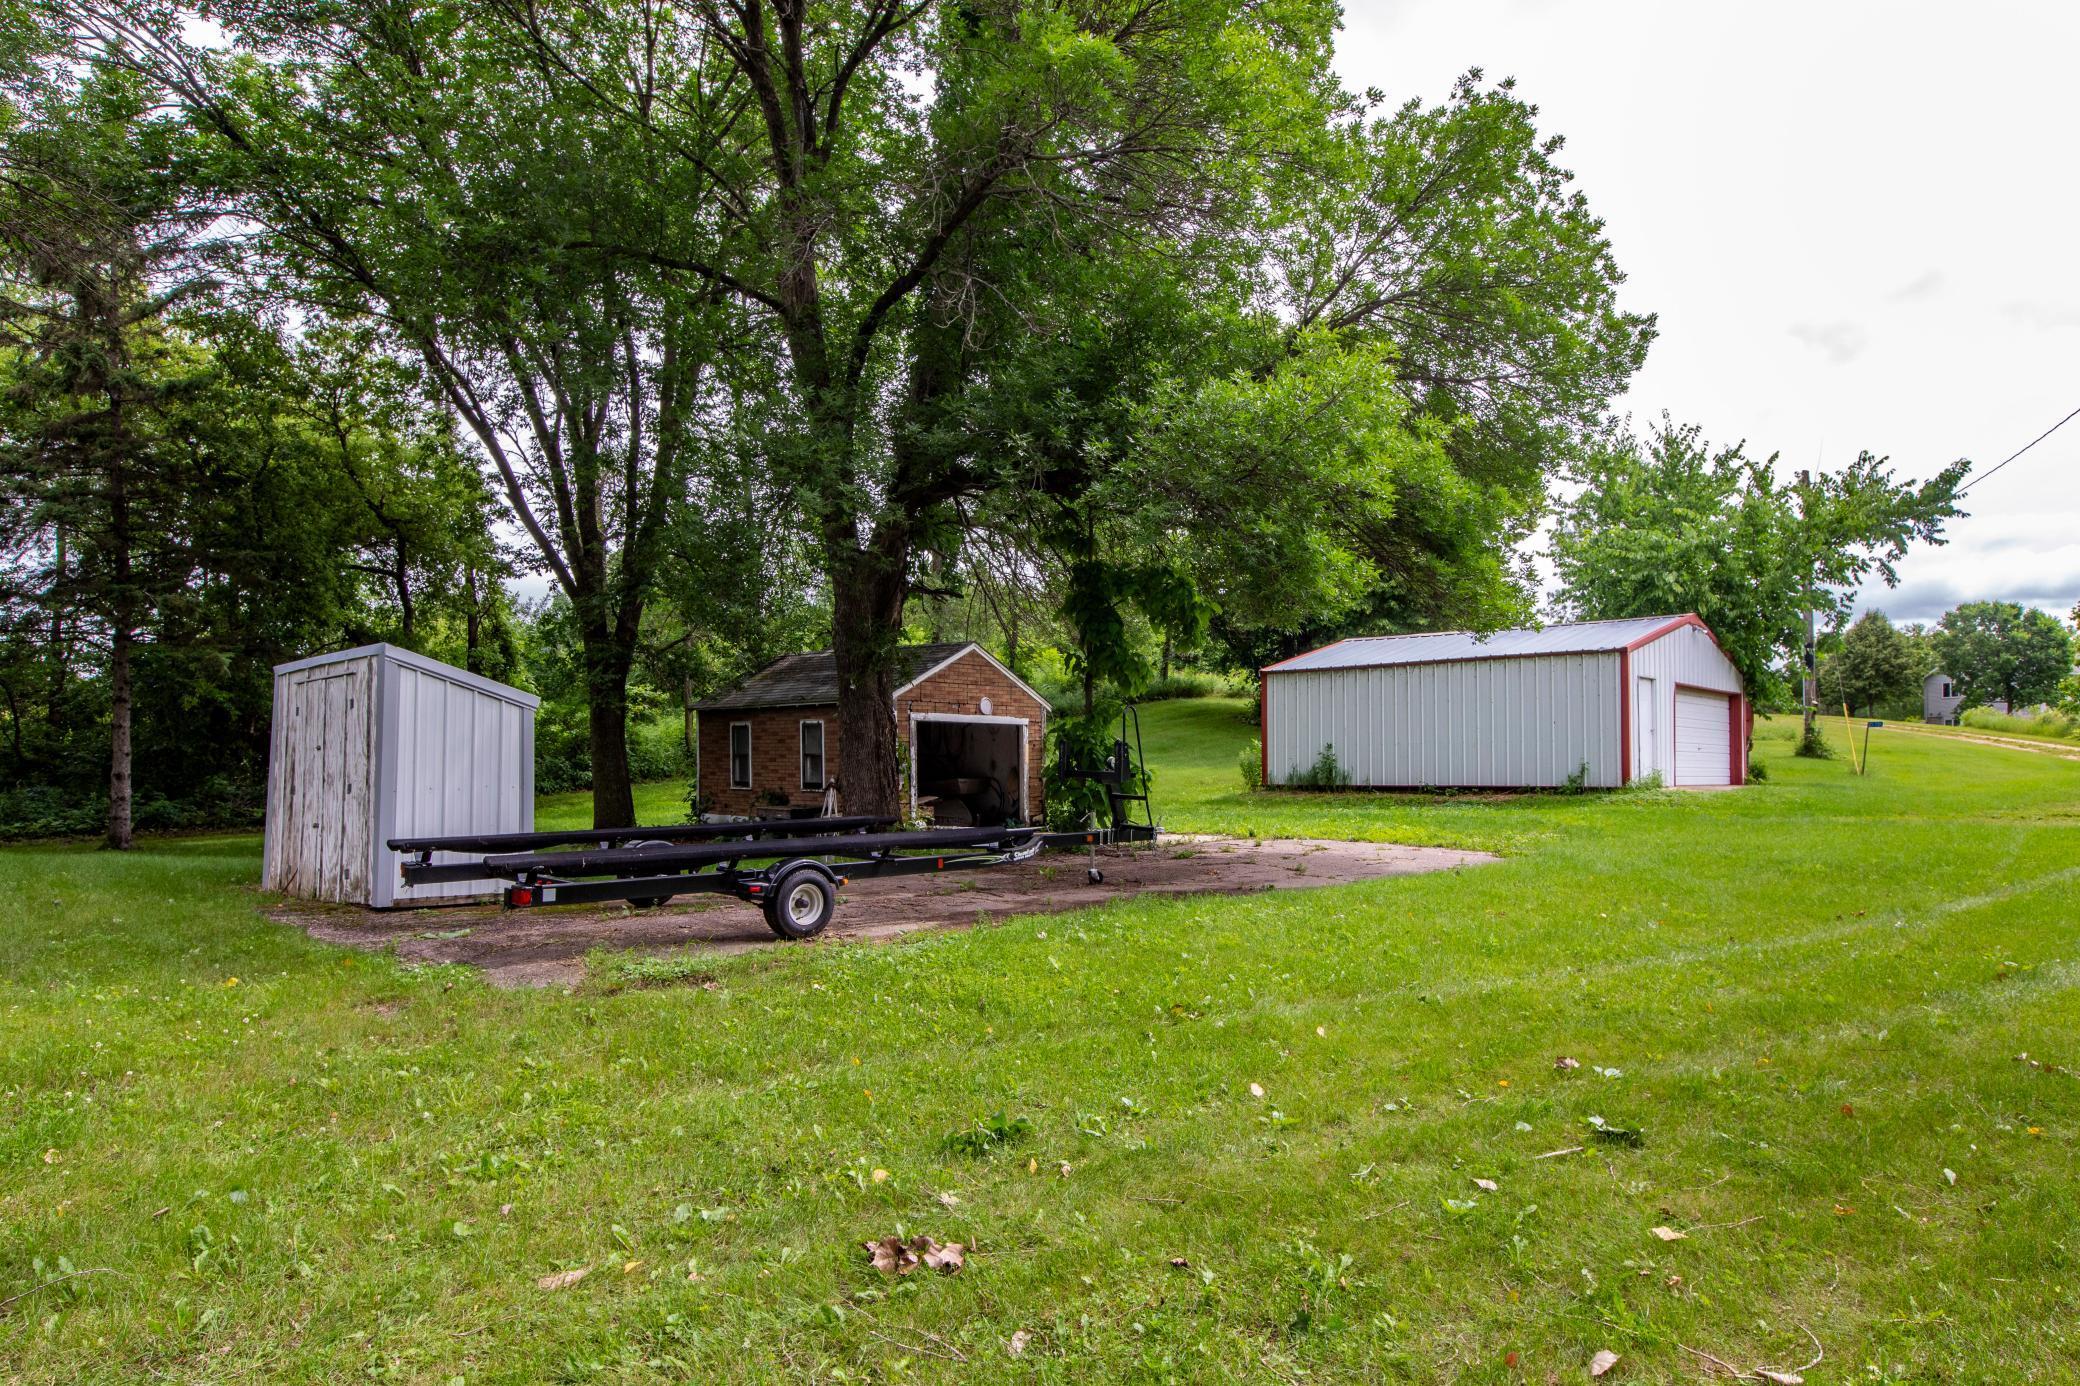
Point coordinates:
[(2021, 450)]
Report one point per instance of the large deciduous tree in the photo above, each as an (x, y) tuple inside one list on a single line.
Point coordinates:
[(2002, 652), (1669, 525), (1875, 664), (97, 248), (939, 260), (420, 169)]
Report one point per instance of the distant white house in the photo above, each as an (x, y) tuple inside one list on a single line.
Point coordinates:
[(1941, 702)]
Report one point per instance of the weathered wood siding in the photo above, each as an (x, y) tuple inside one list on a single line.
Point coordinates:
[(320, 810)]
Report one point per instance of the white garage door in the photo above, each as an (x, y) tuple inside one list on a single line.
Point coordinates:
[(1704, 731)]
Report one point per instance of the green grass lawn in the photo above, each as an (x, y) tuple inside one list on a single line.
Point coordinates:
[(660, 801), (288, 1162)]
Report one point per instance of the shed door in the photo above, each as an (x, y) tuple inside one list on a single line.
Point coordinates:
[(1704, 737), (323, 834), (1646, 720)]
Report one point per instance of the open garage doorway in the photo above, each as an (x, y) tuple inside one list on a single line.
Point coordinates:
[(968, 771)]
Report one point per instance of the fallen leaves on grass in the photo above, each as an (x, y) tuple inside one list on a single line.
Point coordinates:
[(1617, 1135), (1566, 1065), (1602, 1362), (1490, 1185), (1669, 1234), (1017, 1346), (894, 1256), (563, 1280)]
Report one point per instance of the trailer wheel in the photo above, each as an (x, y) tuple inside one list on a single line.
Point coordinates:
[(1094, 876), (646, 902), (801, 904)]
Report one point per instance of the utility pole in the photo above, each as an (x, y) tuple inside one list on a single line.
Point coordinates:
[(1812, 678)]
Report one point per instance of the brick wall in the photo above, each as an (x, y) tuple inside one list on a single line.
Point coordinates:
[(776, 740), (960, 688), (776, 752)]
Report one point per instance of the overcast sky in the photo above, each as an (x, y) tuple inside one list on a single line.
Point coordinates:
[(1858, 222)]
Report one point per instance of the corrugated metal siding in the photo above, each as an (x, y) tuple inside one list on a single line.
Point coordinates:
[(1501, 723), (1688, 657), (465, 764), (377, 743)]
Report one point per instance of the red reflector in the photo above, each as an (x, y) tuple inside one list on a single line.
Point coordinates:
[(940, 864), (520, 895)]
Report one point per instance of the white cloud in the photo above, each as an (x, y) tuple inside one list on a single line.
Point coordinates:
[(1814, 182), (1840, 342)]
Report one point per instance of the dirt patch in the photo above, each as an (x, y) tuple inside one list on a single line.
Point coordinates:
[(2042, 748), (547, 946)]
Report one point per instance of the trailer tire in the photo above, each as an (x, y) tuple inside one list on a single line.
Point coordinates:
[(801, 903), (646, 902)]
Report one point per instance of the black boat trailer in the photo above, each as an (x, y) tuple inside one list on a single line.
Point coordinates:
[(790, 868)]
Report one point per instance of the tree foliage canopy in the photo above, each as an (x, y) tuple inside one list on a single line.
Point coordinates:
[(1876, 664), (2002, 652), (1667, 524), (829, 307)]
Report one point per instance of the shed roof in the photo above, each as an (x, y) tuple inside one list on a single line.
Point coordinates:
[(811, 680), (1438, 647), (397, 654)]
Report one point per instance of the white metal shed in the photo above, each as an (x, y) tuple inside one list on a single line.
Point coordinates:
[(1529, 708), (376, 743)]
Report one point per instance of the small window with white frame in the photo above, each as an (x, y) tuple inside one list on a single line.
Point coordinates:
[(812, 754), (740, 755)]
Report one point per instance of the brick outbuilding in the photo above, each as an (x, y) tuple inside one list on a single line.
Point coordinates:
[(972, 734)]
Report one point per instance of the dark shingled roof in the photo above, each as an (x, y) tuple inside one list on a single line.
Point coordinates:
[(811, 680)]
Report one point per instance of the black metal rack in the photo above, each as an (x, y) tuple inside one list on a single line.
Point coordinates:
[(424, 870), (792, 878)]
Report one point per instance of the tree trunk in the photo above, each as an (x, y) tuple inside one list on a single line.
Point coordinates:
[(607, 664), (119, 836), (866, 616), (122, 616), (473, 628), (1166, 656), (686, 712)]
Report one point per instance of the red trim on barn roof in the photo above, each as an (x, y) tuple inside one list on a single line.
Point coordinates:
[(1692, 619), (1302, 655)]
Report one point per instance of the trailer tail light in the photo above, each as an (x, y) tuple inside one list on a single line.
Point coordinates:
[(520, 895)]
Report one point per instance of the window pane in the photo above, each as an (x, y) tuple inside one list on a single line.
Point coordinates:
[(812, 755), (740, 756)]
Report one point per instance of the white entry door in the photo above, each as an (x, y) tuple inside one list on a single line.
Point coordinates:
[(1646, 723), (1704, 737)]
